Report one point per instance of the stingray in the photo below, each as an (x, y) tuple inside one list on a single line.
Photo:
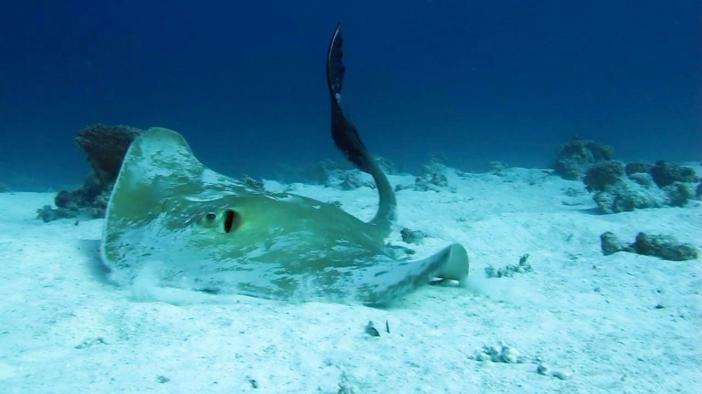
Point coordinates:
[(205, 231)]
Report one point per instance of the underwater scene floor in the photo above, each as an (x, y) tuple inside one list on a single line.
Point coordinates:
[(543, 310)]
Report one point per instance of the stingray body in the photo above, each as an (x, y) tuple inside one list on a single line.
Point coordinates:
[(202, 230)]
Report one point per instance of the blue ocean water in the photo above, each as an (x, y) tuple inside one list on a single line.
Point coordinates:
[(244, 81)]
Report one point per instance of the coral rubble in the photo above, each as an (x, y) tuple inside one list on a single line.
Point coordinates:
[(664, 246), (105, 147), (619, 188), (433, 179), (665, 174), (575, 157), (510, 269), (412, 236)]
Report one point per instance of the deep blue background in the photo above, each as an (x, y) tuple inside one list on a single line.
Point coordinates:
[(244, 81)]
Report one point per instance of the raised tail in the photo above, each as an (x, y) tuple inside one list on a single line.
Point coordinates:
[(348, 140)]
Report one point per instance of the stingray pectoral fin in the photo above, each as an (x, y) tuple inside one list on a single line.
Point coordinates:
[(157, 163), (450, 263), (454, 263)]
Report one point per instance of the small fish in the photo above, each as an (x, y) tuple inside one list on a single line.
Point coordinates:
[(371, 330)]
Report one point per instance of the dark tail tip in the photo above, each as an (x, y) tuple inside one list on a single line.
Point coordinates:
[(344, 132), (335, 67)]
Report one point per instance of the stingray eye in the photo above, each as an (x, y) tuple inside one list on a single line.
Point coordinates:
[(231, 219), (211, 216)]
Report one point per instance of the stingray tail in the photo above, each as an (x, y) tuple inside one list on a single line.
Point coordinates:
[(348, 140)]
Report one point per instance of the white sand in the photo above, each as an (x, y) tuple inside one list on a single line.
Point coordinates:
[(593, 318)]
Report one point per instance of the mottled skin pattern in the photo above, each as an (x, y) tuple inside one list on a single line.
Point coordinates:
[(167, 209)]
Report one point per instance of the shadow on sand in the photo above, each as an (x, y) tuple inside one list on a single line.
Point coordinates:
[(91, 250)]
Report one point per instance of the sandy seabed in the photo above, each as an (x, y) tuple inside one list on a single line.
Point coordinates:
[(623, 323)]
